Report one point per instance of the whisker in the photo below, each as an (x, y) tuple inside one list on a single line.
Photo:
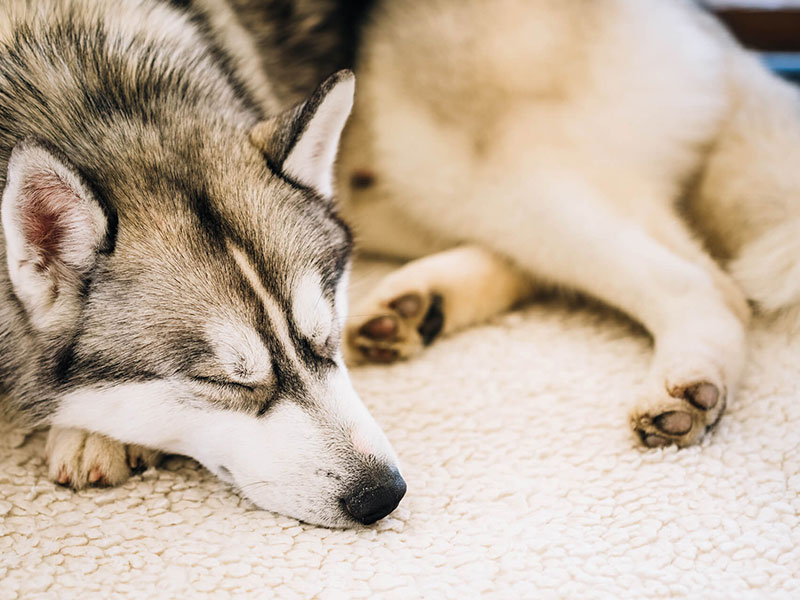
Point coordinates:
[(350, 317), (253, 485)]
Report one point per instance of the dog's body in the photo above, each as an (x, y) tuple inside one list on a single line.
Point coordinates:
[(173, 268), (589, 145)]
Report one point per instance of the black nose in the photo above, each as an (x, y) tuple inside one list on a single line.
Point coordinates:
[(375, 497)]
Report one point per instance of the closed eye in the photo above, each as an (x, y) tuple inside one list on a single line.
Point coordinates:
[(324, 350), (263, 407), (329, 348), (225, 383)]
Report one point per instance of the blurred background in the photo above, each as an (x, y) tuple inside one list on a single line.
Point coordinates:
[(770, 26)]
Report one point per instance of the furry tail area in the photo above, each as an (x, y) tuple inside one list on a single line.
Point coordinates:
[(768, 268)]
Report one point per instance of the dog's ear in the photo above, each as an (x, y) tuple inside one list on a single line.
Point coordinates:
[(302, 142), (53, 227)]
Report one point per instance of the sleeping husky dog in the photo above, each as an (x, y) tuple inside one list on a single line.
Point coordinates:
[(626, 149), (173, 268)]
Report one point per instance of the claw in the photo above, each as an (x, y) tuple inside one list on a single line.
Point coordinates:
[(63, 478), (134, 462), (95, 475)]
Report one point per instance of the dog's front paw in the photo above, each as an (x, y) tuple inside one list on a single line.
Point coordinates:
[(77, 459), (395, 328), (682, 416)]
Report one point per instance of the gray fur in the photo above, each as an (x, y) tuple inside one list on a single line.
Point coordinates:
[(173, 267), (301, 42), (166, 152)]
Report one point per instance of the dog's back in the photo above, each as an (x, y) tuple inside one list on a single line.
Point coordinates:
[(494, 89)]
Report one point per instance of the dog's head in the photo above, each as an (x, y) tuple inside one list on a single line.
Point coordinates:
[(193, 299)]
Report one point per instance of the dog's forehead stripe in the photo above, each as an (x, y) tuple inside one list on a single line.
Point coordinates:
[(271, 306)]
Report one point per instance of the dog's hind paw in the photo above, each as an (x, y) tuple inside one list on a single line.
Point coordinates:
[(396, 328), (78, 459), (681, 418)]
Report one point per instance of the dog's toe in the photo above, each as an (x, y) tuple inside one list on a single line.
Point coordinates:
[(702, 395), (674, 422), (78, 459), (140, 458), (407, 305), (655, 441), (380, 328), (396, 328)]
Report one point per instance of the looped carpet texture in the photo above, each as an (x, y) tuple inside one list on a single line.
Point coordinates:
[(524, 481)]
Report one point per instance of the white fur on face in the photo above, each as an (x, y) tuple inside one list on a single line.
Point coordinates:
[(240, 351), (342, 405), (280, 461), (310, 309)]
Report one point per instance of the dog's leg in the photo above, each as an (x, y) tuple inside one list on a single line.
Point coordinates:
[(569, 233), (674, 234), (693, 311), (688, 409), (78, 458), (431, 296)]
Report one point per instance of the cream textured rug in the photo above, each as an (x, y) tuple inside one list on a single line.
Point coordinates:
[(524, 482)]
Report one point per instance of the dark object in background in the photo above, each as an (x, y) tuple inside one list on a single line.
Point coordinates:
[(302, 41), (776, 32)]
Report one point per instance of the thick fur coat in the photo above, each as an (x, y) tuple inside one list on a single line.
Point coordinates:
[(629, 150), (173, 267)]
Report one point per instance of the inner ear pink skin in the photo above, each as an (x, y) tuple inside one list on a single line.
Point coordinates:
[(43, 227)]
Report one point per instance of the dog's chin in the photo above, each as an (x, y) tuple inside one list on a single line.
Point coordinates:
[(331, 514), (332, 521)]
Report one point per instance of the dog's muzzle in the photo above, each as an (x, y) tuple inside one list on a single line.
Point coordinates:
[(376, 496)]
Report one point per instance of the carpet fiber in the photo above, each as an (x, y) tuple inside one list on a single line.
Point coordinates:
[(524, 482)]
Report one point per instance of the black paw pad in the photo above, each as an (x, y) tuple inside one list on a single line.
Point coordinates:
[(433, 322)]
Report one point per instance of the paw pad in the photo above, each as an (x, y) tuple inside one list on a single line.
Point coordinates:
[(674, 422), (408, 306), (379, 328), (655, 441), (682, 417), (380, 355), (703, 395), (399, 328)]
